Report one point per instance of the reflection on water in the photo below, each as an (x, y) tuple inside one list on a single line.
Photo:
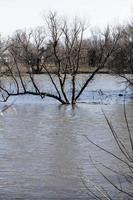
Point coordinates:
[(43, 151)]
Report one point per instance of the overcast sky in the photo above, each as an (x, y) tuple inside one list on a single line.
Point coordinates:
[(19, 14)]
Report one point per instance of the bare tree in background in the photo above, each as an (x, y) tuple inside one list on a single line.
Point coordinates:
[(122, 60), (28, 48), (128, 50)]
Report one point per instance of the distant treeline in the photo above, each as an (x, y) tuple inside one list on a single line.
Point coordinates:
[(60, 42)]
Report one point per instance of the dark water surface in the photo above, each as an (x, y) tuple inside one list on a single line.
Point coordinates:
[(44, 153)]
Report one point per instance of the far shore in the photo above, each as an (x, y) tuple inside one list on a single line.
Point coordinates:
[(81, 70)]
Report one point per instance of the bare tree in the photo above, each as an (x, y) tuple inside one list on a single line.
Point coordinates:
[(122, 60), (67, 47), (28, 48), (124, 183)]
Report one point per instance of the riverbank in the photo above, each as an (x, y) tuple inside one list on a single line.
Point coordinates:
[(53, 70)]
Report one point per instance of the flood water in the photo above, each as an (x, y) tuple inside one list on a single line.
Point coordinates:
[(44, 153)]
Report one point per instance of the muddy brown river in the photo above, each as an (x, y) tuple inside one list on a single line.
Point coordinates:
[(44, 153)]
